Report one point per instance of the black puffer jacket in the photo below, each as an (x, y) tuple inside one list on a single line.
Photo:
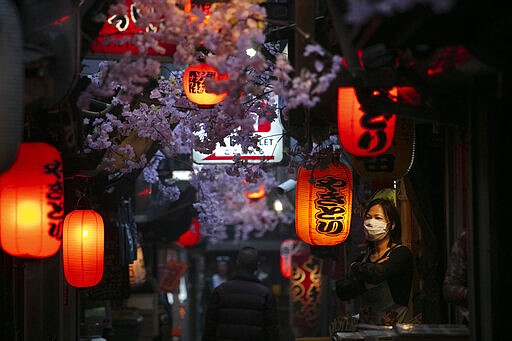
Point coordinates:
[(242, 309)]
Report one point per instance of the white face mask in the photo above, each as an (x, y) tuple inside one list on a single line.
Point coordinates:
[(375, 229)]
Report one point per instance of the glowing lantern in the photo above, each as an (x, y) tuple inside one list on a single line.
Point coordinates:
[(32, 202), (286, 251), (394, 163), (192, 236), (361, 133), (83, 248), (256, 195), (194, 85), (323, 204), (206, 8), (112, 41)]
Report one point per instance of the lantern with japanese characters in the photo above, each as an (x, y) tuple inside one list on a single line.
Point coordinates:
[(192, 236), (323, 204), (32, 202), (195, 83), (83, 248), (364, 133), (395, 162)]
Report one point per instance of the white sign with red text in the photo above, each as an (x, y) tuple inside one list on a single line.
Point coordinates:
[(270, 143)]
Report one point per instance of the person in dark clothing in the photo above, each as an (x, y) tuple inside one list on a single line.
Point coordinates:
[(381, 277), (242, 309)]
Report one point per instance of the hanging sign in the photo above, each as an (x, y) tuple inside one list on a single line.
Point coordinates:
[(270, 143)]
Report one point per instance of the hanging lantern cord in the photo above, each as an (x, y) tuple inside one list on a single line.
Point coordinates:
[(83, 201), (80, 202)]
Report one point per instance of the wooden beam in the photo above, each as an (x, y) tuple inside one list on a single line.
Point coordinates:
[(304, 30)]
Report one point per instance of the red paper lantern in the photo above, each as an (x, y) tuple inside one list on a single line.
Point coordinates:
[(192, 236), (361, 134), (323, 204), (194, 85), (285, 260), (394, 163), (83, 248), (109, 43), (32, 202)]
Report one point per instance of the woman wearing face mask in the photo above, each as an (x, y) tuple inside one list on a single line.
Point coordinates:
[(381, 277)]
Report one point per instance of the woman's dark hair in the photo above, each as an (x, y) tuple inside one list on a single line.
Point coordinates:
[(391, 212)]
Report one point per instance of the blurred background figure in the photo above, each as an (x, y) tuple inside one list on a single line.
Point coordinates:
[(222, 273), (243, 308)]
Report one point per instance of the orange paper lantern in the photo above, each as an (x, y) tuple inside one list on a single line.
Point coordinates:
[(32, 202), (192, 236), (83, 248), (362, 134), (323, 204), (194, 85), (256, 195)]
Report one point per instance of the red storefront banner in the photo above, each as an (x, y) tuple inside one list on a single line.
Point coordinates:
[(305, 292)]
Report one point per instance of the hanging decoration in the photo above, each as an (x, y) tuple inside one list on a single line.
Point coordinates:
[(323, 204), (170, 275), (194, 84), (306, 292), (192, 236), (83, 248), (394, 163), (363, 133), (111, 41), (286, 251), (32, 202)]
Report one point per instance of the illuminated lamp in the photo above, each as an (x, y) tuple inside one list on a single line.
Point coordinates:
[(206, 8), (285, 260), (394, 163), (323, 204), (194, 85), (112, 41), (32, 202), (83, 248), (256, 195), (360, 133), (192, 236)]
